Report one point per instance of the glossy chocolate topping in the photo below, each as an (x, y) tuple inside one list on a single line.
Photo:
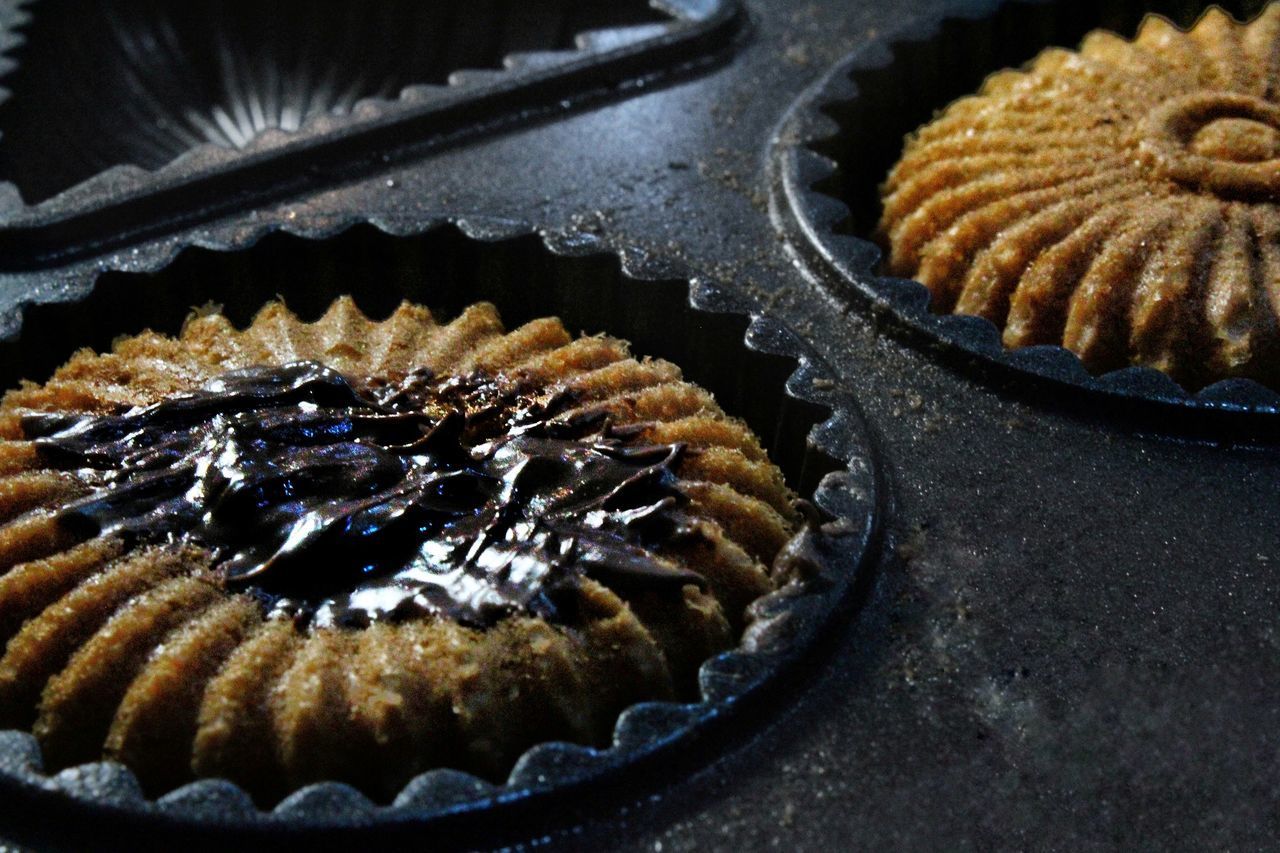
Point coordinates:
[(342, 503)]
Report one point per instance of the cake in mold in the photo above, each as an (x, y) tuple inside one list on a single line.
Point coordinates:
[(354, 550), (1119, 200)]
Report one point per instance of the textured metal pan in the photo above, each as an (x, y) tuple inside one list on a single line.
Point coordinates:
[(1070, 641), (774, 381), (238, 153)]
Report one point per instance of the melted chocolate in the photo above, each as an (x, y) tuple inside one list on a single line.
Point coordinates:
[(342, 504)]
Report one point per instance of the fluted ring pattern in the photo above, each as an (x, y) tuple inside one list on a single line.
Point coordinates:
[(1119, 200)]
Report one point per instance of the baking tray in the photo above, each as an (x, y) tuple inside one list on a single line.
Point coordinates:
[(1069, 638)]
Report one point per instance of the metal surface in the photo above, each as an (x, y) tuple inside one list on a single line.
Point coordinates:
[(1072, 637)]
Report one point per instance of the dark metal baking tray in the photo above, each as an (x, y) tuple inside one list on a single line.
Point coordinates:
[(1070, 640), (127, 203)]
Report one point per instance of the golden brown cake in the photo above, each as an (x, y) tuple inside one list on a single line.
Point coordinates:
[(358, 550), (1120, 201)]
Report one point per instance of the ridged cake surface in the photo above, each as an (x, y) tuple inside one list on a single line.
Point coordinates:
[(1120, 200), (165, 639)]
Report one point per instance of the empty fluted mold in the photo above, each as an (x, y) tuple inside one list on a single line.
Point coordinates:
[(522, 276), (143, 82), (958, 216)]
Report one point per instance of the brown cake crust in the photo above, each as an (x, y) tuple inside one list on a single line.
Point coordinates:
[(142, 655), (1120, 200)]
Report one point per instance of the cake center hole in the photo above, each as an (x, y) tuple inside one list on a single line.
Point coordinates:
[(1237, 140), (1224, 144)]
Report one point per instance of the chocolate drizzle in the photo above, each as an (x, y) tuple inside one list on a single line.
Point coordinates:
[(468, 497)]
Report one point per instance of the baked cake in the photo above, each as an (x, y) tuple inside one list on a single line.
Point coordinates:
[(357, 550), (1121, 201)]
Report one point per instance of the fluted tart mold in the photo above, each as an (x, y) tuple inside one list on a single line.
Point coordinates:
[(1119, 200), (123, 87), (139, 654)]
